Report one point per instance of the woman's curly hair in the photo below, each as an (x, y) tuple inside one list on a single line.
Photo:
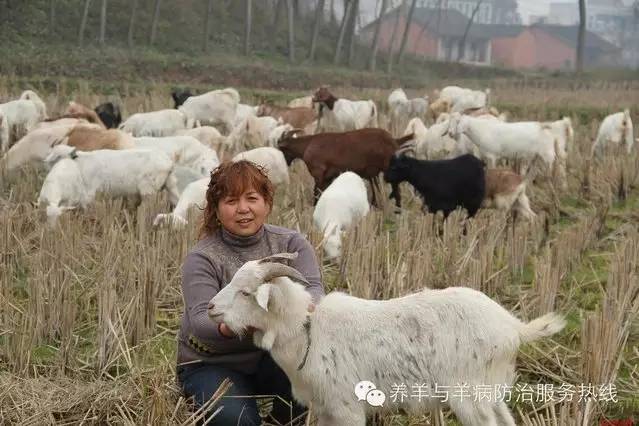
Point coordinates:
[(233, 179)]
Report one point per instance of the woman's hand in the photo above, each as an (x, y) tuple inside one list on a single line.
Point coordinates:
[(225, 330)]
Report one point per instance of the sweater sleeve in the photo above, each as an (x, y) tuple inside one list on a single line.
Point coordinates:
[(306, 264), (200, 283)]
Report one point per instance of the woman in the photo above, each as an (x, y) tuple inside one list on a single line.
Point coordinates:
[(239, 199)]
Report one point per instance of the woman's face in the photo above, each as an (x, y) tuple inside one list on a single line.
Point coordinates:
[(243, 215)]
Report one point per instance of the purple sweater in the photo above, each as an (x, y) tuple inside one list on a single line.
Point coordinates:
[(208, 267)]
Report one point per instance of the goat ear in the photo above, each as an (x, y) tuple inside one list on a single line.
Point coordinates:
[(263, 294)]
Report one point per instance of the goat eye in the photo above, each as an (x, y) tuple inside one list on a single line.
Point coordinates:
[(245, 293)]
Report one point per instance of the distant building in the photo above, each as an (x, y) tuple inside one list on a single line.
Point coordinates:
[(438, 34), (489, 11)]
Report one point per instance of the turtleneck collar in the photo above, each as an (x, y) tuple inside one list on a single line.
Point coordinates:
[(240, 241)]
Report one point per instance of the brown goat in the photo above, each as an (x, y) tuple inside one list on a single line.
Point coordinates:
[(298, 117), (366, 152), (506, 190), (76, 110), (90, 138)]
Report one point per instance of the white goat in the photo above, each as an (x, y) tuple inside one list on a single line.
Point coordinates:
[(306, 102), (342, 115), (403, 109), (165, 122), (340, 206), (243, 112), (214, 108), (185, 150), (616, 129), (253, 132), (77, 177), (193, 195), (432, 142), (207, 135), (462, 99), (272, 159), (440, 338), (496, 139), (277, 133), (19, 117), (34, 147)]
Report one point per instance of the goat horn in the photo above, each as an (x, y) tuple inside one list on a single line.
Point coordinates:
[(276, 270)]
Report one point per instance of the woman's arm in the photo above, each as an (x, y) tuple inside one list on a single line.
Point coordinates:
[(199, 284), (306, 264)]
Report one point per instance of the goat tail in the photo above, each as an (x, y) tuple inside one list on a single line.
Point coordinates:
[(544, 326), (405, 138)]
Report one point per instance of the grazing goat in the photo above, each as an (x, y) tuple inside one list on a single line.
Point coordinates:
[(180, 96), (341, 115), (614, 129), (366, 152), (271, 159), (77, 177), (299, 117), (76, 110), (185, 150), (496, 139), (243, 112), (441, 338), (344, 202), (506, 190), (19, 117), (215, 108), (403, 109), (251, 133), (207, 135), (443, 185), (193, 195), (165, 122)]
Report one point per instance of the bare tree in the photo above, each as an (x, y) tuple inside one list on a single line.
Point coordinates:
[(462, 45), (247, 27), (154, 22), (290, 15), (319, 13), (352, 23), (51, 17), (134, 8), (103, 14), (276, 16), (83, 22), (391, 47), (342, 31), (372, 61), (581, 36), (409, 21), (207, 26)]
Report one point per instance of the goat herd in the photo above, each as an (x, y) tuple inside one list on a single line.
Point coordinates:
[(93, 151), (341, 143)]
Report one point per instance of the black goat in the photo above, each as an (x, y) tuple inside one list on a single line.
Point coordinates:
[(180, 96), (110, 114), (444, 184)]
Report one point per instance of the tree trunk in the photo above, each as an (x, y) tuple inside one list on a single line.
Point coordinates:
[(409, 20), (154, 22), (333, 18), (581, 36), (391, 47), (319, 13), (352, 23), (291, 30), (207, 26), (342, 31), (278, 11), (51, 17), (83, 23), (247, 27), (103, 14), (462, 45), (134, 7), (372, 61)]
